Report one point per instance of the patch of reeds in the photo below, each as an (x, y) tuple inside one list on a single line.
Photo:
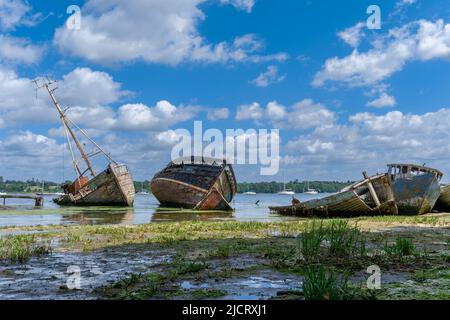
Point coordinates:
[(401, 249), (19, 248), (324, 284), (336, 238)]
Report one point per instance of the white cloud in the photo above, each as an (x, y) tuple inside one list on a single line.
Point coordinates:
[(19, 50), (87, 93), (246, 5), (86, 96), (251, 111), (14, 13), (353, 35), (268, 77), (402, 3), (141, 117), (369, 142), (159, 31), (88, 88), (302, 115), (276, 111), (25, 155), (385, 100), (420, 40), (308, 114), (214, 114)]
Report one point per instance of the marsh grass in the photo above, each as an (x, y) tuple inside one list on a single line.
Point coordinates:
[(401, 249), (345, 240), (137, 287), (336, 238), (311, 240), (183, 266), (20, 248), (208, 293), (223, 251), (322, 284)]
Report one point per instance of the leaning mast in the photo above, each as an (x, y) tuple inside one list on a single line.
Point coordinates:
[(66, 124)]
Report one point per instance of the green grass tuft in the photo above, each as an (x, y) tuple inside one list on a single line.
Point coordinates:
[(20, 248)]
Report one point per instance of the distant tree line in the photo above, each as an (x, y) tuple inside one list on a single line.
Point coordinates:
[(298, 187), (33, 186), (36, 185)]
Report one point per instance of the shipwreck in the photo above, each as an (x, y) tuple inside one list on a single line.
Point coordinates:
[(443, 202), (371, 196), (196, 183), (112, 187), (416, 188)]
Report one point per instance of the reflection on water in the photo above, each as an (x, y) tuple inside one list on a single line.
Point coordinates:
[(146, 209)]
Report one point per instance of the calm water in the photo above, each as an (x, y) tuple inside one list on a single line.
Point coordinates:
[(146, 209)]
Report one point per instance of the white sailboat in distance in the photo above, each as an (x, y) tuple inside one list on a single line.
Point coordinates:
[(286, 192), (309, 190)]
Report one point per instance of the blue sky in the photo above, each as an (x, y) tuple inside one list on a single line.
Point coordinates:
[(344, 97)]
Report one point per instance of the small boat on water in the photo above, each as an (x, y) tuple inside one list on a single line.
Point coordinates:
[(250, 193), (112, 187), (416, 188), (197, 183), (286, 192), (309, 190), (443, 202), (142, 192), (373, 195)]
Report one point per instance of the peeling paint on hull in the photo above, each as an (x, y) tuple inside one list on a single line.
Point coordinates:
[(112, 187), (199, 186), (416, 195)]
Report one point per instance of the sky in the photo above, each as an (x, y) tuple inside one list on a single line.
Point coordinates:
[(346, 98)]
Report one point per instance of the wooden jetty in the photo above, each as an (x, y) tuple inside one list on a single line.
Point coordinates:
[(38, 200)]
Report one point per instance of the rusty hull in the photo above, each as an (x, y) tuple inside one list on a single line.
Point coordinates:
[(112, 187), (354, 200), (416, 188), (443, 202), (199, 186)]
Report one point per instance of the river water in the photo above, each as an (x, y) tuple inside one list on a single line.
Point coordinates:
[(146, 209)]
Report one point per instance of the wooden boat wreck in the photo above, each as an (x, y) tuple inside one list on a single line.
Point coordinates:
[(371, 196), (112, 187), (443, 202), (195, 183), (416, 188)]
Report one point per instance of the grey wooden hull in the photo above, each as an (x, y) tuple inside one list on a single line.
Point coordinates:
[(352, 201)]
